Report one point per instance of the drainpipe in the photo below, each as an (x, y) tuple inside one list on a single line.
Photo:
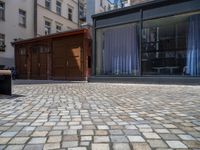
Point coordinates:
[(35, 18), (78, 13)]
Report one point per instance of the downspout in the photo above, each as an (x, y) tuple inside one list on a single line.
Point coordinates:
[(140, 41), (78, 13), (35, 18)]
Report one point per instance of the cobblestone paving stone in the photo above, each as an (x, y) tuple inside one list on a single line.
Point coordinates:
[(89, 116)]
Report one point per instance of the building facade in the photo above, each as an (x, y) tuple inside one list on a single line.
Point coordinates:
[(56, 16), (22, 19), (158, 38), (95, 7), (16, 22)]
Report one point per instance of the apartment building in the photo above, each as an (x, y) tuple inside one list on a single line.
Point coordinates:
[(16, 22), (56, 16), (23, 19)]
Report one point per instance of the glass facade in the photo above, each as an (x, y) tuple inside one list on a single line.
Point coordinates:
[(118, 50), (169, 46)]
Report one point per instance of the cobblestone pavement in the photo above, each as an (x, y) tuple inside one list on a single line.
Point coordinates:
[(89, 116)]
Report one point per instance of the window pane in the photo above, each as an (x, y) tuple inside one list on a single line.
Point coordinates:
[(48, 4), (70, 13), (118, 51), (2, 42), (2, 11), (58, 28), (22, 18), (47, 27), (165, 45), (58, 7)]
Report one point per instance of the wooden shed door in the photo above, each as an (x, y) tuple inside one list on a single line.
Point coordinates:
[(34, 64), (74, 70), (66, 61), (43, 65), (59, 61), (21, 63), (38, 64)]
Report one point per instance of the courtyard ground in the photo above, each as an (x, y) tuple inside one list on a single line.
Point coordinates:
[(100, 116)]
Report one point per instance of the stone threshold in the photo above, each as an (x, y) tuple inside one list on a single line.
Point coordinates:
[(173, 80)]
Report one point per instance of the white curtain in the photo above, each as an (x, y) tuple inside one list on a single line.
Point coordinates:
[(120, 51), (193, 50)]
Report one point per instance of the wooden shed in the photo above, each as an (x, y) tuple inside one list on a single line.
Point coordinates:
[(60, 56)]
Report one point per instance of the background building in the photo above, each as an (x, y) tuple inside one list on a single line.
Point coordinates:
[(56, 16), (22, 19), (95, 7), (16, 22)]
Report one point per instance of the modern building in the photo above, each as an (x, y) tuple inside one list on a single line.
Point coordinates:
[(22, 19), (160, 38)]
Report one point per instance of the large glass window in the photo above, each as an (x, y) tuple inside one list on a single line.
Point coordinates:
[(117, 51), (166, 45), (2, 11)]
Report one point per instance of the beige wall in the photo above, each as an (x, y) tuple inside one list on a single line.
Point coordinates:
[(10, 27), (50, 15)]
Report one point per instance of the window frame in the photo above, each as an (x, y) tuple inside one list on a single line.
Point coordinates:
[(58, 8), (2, 42), (48, 4), (22, 17), (2, 9), (70, 13), (101, 3), (58, 30), (81, 10), (47, 28)]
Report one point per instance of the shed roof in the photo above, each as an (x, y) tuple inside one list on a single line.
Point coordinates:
[(51, 36)]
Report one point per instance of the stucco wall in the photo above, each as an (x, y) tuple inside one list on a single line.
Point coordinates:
[(45, 14), (10, 27)]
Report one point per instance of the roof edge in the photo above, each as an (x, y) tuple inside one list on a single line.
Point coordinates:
[(51, 36), (136, 6)]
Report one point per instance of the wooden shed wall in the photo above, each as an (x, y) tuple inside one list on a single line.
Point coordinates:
[(60, 57)]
